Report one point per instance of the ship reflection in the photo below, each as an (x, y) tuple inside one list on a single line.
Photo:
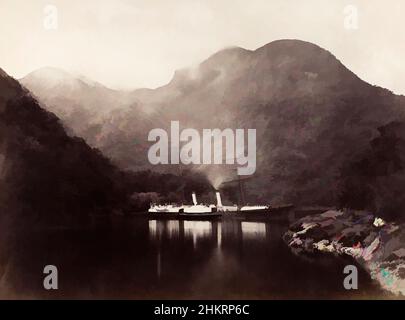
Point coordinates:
[(212, 239), (219, 235), (153, 228), (173, 228), (197, 230), (158, 227), (253, 230)]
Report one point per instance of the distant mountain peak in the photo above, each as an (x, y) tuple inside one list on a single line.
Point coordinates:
[(51, 77), (227, 52), (288, 43), (53, 73), (271, 64)]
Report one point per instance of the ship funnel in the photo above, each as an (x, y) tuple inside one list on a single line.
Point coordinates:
[(194, 198), (219, 201)]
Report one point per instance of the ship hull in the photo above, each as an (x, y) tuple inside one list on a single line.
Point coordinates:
[(272, 213), (199, 216), (270, 210), (185, 216)]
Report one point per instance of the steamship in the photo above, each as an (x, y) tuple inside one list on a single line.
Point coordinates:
[(203, 210), (186, 211)]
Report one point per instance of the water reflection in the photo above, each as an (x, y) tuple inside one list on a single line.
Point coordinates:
[(157, 228), (219, 235), (172, 259), (252, 230), (152, 228), (159, 264), (173, 228), (197, 230)]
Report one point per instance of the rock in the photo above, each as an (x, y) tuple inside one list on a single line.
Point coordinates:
[(378, 222), (400, 253), (376, 245)]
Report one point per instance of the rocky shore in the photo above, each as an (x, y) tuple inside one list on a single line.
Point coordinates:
[(376, 245)]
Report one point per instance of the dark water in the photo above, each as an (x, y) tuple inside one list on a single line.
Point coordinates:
[(141, 258)]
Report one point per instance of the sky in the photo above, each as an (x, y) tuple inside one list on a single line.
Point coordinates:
[(127, 44)]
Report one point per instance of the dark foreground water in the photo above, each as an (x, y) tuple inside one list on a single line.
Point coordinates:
[(153, 259)]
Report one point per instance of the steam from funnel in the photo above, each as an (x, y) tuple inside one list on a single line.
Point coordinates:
[(194, 198), (217, 174), (219, 201)]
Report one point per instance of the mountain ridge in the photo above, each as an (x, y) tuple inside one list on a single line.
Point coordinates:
[(312, 115)]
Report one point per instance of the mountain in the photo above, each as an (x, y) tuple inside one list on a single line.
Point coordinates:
[(80, 102), (46, 176), (315, 119), (88, 109)]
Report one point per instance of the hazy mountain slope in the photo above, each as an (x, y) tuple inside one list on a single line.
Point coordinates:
[(89, 110), (312, 115), (78, 101)]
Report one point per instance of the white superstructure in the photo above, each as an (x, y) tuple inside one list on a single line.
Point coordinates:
[(198, 208), (169, 208), (254, 208)]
